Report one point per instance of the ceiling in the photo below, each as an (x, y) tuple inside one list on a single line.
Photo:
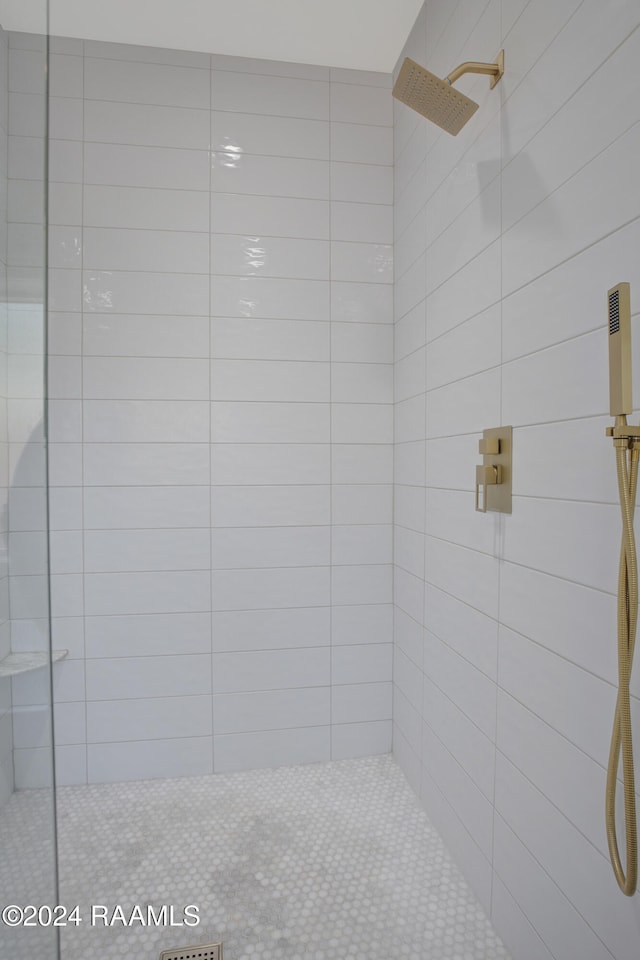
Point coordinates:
[(360, 34)]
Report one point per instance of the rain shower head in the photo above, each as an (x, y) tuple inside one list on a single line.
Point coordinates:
[(436, 99)]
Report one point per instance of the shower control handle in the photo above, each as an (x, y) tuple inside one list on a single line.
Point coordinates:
[(486, 475), (489, 445), (493, 475)]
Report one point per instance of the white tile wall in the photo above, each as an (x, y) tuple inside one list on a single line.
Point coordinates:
[(221, 416), (506, 240)]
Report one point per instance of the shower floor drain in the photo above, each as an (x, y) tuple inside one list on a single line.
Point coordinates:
[(205, 951)]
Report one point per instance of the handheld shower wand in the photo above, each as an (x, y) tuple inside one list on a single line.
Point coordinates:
[(626, 440)]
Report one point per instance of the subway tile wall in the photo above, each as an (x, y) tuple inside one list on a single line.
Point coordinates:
[(507, 238), (221, 370)]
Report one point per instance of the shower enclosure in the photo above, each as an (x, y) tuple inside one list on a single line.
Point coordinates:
[(238, 539), (28, 855)]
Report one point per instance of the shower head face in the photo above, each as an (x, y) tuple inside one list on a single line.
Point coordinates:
[(433, 98)]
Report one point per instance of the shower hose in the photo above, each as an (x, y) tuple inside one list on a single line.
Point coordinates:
[(627, 454)]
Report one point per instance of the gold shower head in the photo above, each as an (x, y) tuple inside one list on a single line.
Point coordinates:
[(436, 99)]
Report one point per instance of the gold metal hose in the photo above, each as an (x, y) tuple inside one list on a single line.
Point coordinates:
[(627, 455)]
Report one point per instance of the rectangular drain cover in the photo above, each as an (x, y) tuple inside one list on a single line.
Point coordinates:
[(206, 951)]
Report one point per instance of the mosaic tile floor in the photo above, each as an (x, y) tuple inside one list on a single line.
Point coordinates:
[(332, 861)]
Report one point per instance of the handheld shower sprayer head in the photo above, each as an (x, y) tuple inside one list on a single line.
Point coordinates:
[(618, 299), (436, 99)]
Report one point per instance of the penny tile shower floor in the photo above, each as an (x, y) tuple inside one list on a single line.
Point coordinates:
[(331, 861)]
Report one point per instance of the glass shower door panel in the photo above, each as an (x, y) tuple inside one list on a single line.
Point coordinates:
[(28, 873)]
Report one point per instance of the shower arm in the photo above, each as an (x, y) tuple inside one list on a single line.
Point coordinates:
[(494, 70)]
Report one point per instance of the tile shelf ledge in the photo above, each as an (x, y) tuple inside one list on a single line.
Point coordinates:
[(16, 663)]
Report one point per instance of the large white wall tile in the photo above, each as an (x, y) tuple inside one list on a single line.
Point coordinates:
[(270, 176), (145, 464), (138, 507), (359, 143), (245, 422), (110, 721), (144, 208), (272, 748), (270, 380), (268, 298), (145, 421), (271, 710), (146, 83), (255, 339), (110, 291), (139, 166), (238, 464), (112, 551), (279, 96), (270, 589), (129, 593), (269, 135), (158, 126), (148, 250), (147, 634), (260, 629), (270, 216), (145, 336), (271, 670), (124, 378), (149, 759), (248, 506), (253, 547), (270, 257)]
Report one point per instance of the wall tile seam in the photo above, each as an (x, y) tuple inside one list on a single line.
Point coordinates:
[(456, 815), (491, 553), (459, 766), (539, 789), (310, 117), (467, 376), (229, 733), (239, 692), (581, 500), (560, 343), (559, 577), (407, 744), (568, 180), (456, 326), (213, 152), (182, 273), (485, 736), (400, 317), (512, 892), (412, 264), (217, 652), (398, 646), (573, 256), (575, 665), (547, 348), (612, 53), (503, 816), (457, 655)]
